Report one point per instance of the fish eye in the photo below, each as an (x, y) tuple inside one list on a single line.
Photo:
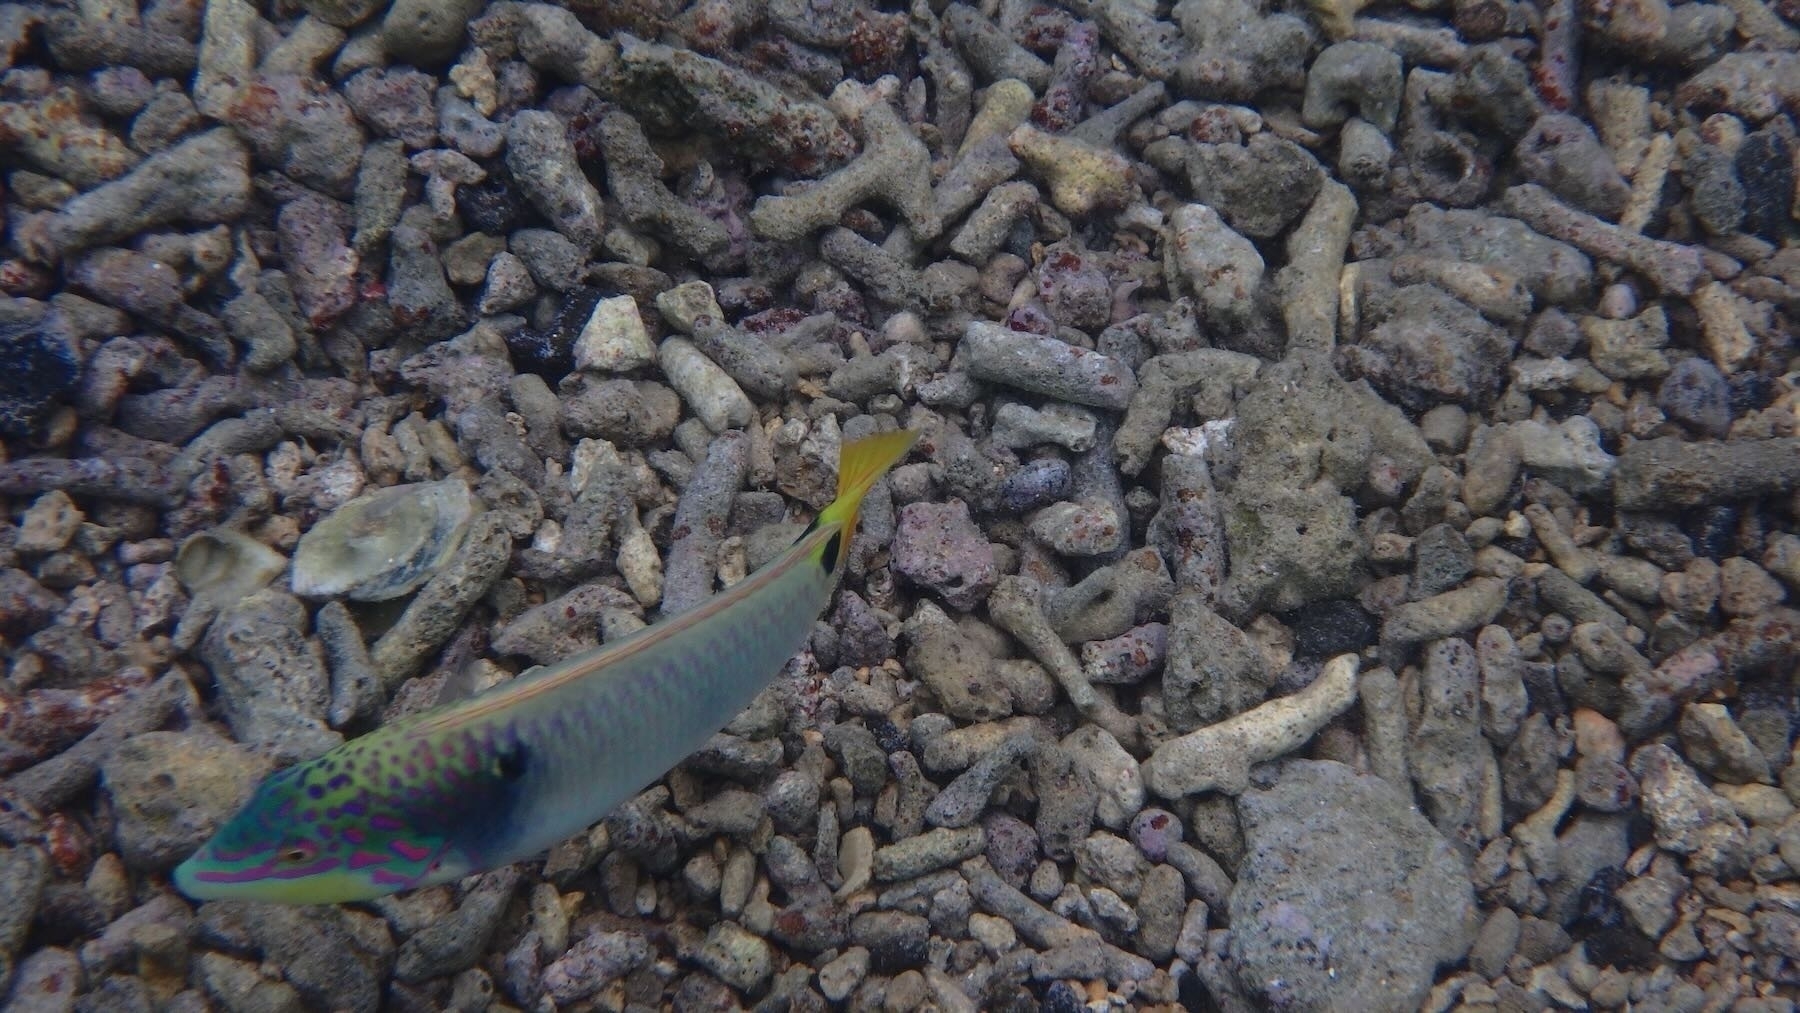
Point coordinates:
[(295, 852)]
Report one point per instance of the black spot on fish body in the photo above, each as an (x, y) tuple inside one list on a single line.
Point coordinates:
[(510, 764), (832, 547)]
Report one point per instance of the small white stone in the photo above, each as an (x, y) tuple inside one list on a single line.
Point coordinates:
[(614, 338), (856, 860), (338, 483), (548, 537), (1112, 770), (1200, 440), (639, 563), (589, 455), (996, 934), (734, 565), (714, 396), (49, 523), (1221, 267), (683, 306), (1190, 944), (1111, 908), (840, 977)]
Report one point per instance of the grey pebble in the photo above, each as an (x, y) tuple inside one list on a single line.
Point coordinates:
[(331, 957), (938, 547), (424, 32), (740, 959), (1188, 529), (1441, 560), (1666, 473), (863, 640), (1445, 748), (691, 564), (1447, 614), (1045, 366), (731, 811), (1111, 770), (1562, 153), (927, 852), (594, 961), (239, 986), (1080, 528), (1161, 904), (963, 800), (1038, 483), (1128, 658), (1712, 741), (47, 981), (1213, 671), (895, 940), (1495, 943), (1340, 850), (171, 790), (842, 975), (271, 678), (1504, 702), (436, 611), (1011, 848), (24, 872), (1350, 73), (858, 756), (1019, 426), (541, 158), (452, 944), (202, 180), (551, 259), (1066, 801), (792, 800), (1111, 599), (1689, 818), (957, 670)]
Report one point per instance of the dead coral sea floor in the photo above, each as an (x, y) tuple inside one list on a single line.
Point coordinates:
[(1348, 564)]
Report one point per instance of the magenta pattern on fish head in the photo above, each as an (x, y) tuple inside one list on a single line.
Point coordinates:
[(335, 817), (374, 816)]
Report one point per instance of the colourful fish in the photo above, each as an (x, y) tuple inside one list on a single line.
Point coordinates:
[(502, 776)]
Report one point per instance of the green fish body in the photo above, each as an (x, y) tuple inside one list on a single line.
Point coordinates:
[(501, 777)]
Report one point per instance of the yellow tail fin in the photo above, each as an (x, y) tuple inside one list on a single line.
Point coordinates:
[(860, 464)]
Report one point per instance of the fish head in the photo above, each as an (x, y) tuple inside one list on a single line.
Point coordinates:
[(315, 833)]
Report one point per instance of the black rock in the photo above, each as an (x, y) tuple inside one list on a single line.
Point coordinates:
[(1038, 483), (549, 351), (1714, 530), (492, 205), (1621, 948), (888, 735), (1657, 539), (1193, 995), (1060, 997), (1765, 166), (1006, 997), (67, 913), (1599, 903), (1331, 628), (1751, 392), (37, 366), (1695, 394)]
